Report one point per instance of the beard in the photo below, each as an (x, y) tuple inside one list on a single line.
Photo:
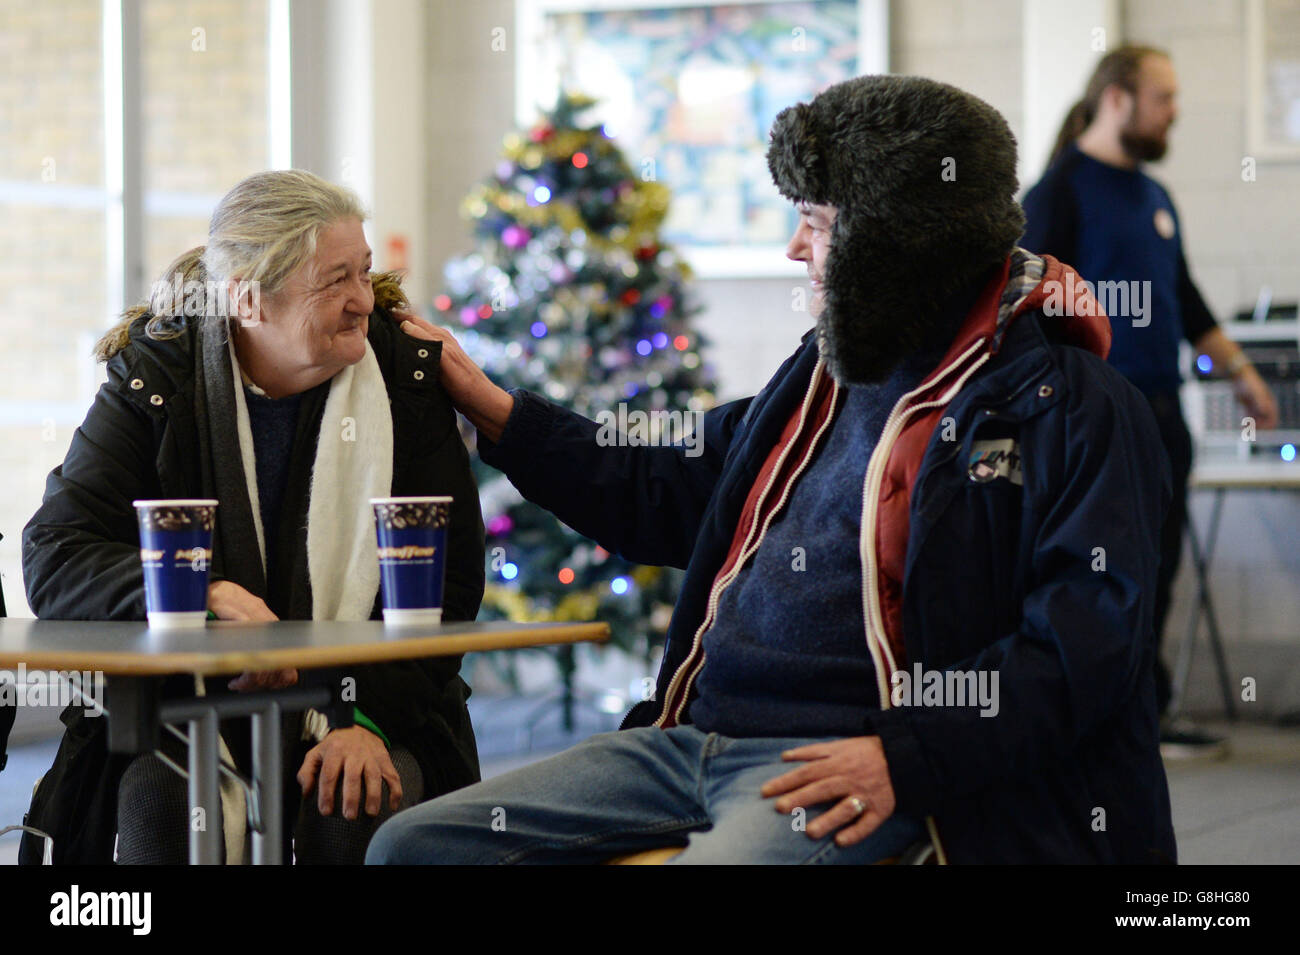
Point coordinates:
[(1142, 147), (866, 346)]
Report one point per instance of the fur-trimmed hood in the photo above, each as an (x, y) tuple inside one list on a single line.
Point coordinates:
[(923, 177)]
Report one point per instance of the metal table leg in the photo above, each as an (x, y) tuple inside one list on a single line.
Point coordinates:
[(204, 761), (1203, 605), (206, 828), (267, 846)]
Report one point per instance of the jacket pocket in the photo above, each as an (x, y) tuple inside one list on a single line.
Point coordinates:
[(995, 496)]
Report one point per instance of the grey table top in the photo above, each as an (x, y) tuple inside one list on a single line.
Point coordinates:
[(228, 647), (1217, 473)]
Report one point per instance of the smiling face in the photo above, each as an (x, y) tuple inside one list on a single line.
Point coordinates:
[(811, 245), (315, 325)]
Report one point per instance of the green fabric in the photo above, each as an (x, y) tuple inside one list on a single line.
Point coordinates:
[(362, 720)]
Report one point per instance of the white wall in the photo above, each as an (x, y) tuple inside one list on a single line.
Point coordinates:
[(332, 91), (361, 115), (401, 138), (1061, 45), (470, 109), (1238, 235)]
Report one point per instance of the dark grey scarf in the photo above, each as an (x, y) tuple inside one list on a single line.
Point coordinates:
[(236, 556), (286, 588)]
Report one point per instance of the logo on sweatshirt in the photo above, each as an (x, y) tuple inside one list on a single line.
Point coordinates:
[(1164, 223)]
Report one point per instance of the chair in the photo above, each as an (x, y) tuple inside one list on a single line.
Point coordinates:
[(646, 857), (7, 713), (7, 716)]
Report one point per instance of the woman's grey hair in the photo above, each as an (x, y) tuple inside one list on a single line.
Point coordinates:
[(261, 232)]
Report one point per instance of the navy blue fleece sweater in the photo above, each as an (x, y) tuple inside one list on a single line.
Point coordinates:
[(273, 423), (787, 654), (1119, 225)]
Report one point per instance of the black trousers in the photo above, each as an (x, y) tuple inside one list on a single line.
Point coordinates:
[(153, 805), (1178, 446)]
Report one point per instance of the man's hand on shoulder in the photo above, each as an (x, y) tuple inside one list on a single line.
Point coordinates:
[(849, 773)]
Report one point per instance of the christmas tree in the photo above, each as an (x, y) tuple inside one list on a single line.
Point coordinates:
[(571, 294)]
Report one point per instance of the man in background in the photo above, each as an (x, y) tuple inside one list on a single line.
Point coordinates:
[(1096, 209)]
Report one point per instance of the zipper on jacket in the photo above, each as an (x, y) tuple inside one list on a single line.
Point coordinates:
[(688, 669), (873, 617), (872, 614)]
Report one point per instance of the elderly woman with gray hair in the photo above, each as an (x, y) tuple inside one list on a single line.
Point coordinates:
[(270, 372)]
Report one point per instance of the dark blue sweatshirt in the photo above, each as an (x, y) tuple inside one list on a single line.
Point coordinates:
[(1119, 225), (787, 653), (273, 423)]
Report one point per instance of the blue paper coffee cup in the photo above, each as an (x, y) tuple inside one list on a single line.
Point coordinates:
[(412, 536), (175, 551)]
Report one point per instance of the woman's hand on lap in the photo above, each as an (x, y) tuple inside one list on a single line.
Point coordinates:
[(357, 755)]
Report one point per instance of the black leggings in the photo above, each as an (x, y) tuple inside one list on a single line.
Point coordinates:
[(153, 812)]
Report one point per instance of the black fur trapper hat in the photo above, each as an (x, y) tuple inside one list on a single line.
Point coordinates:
[(923, 177)]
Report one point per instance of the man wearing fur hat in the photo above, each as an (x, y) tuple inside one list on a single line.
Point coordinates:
[(917, 608)]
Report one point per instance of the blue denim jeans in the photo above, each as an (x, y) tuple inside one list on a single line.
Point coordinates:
[(628, 791)]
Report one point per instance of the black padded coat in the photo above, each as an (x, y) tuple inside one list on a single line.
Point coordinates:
[(139, 440)]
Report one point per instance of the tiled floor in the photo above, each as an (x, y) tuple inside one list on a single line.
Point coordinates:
[(1243, 809), (1240, 810)]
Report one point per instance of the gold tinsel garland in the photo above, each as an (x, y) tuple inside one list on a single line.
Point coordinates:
[(576, 607), (640, 210)]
